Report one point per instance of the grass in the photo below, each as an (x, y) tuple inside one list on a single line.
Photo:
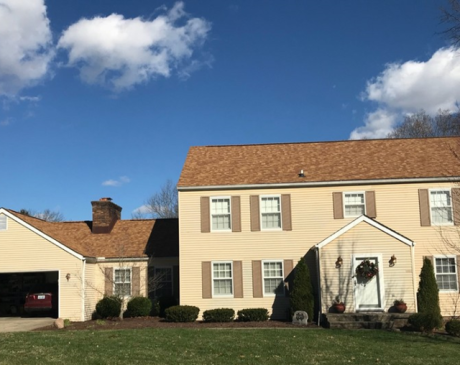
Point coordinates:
[(229, 346)]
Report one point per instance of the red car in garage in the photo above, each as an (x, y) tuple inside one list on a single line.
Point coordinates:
[(42, 298)]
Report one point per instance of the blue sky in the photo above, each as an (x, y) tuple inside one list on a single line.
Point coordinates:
[(105, 97)]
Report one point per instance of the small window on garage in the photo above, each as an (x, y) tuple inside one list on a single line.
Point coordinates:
[(2, 222)]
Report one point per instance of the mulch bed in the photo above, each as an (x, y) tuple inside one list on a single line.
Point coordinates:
[(155, 322)]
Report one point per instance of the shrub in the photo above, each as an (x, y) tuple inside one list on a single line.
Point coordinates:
[(139, 307), (253, 315), (301, 295), (164, 303), (428, 292), (453, 327), (425, 322), (109, 307), (219, 315), (182, 313)]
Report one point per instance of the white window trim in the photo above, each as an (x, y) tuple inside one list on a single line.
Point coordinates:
[(172, 277), (212, 280), (263, 279), (230, 214), (130, 282), (451, 207), (456, 272), (345, 215), (3, 216), (260, 212)]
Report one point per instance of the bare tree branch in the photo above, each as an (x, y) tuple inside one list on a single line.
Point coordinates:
[(162, 204), (46, 215), (451, 17)]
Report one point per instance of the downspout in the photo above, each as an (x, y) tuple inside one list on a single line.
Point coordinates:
[(414, 283), (319, 285), (83, 289)]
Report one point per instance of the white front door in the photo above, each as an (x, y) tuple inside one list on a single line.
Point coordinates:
[(368, 292)]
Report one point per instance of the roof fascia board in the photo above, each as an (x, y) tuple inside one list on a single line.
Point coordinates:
[(370, 221), (320, 183), (41, 234), (121, 259)]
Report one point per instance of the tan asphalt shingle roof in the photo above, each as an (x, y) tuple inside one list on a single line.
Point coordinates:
[(128, 238), (321, 162)]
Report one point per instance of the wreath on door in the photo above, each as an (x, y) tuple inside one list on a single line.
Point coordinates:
[(367, 269)]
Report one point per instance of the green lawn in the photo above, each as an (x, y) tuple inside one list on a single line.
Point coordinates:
[(229, 346)]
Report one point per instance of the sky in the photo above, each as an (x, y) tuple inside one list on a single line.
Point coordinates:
[(103, 98)]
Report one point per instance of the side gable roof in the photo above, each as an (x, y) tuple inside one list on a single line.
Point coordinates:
[(342, 161), (372, 222), (128, 238)]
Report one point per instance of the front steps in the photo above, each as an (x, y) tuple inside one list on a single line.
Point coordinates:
[(365, 320)]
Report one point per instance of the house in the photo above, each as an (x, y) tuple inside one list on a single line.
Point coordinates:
[(86, 259), (249, 213)]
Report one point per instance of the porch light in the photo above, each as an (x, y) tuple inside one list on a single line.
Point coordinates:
[(339, 262), (67, 276), (393, 260)]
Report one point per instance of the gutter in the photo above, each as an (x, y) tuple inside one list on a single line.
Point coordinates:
[(83, 290), (320, 294)]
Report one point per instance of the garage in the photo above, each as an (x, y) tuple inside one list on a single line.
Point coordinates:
[(15, 286)]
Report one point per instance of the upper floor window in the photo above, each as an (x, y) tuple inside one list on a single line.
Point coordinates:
[(222, 278), (446, 273), (2, 222), (122, 282), (270, 211), (441, 207), (220, 214), (273, 279), (354, 204)]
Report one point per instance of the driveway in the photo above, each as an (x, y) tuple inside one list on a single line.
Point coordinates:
[(18, 324)]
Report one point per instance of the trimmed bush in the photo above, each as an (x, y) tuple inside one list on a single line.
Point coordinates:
[(301, 295), (182, 313), (164, 303), (109, 307), (453, 327), (425, 322), (253, 315), (139, 307), (219, 315)]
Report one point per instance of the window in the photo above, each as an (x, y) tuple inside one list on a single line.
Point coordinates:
[(222, 279), (220, 214), (354, 204), (273, 278), (2, 222), (122, 282), (441, 207), (446, 273), (163, 282), (270, 210)]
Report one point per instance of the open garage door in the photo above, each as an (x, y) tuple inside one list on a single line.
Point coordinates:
[(14, 288)]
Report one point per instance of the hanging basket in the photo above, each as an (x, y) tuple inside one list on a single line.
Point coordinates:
[(367, 269)]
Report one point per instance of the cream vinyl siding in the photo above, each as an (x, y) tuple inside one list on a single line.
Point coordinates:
[(398, 281), (91, 295), (397, 207), (22, 250)]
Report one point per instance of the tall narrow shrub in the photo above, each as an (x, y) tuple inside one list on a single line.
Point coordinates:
[(301, 294)]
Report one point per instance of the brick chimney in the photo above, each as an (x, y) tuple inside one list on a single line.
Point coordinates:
[(105, 215)]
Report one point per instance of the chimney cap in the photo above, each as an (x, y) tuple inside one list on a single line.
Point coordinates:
[(105, 199)]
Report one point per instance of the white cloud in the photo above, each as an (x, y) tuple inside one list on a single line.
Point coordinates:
[(121, 181), (142, 210), (409, 87), (120, 53), (26, 48)]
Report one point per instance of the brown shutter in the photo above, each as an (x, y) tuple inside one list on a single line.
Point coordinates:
[(136, 281), (238, 279), (236, 214), (255, 212), (288, 266), (176, 282), (206, 279), (424, 203), (108, 285), (286, 212), (257, 279), (205, 216), (456, 206), (337, 205), (371, 210)]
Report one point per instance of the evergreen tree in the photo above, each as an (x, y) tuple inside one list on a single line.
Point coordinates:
[(301, 295), (428, 292)]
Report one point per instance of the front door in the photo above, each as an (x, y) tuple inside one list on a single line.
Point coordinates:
[(368, 292)]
